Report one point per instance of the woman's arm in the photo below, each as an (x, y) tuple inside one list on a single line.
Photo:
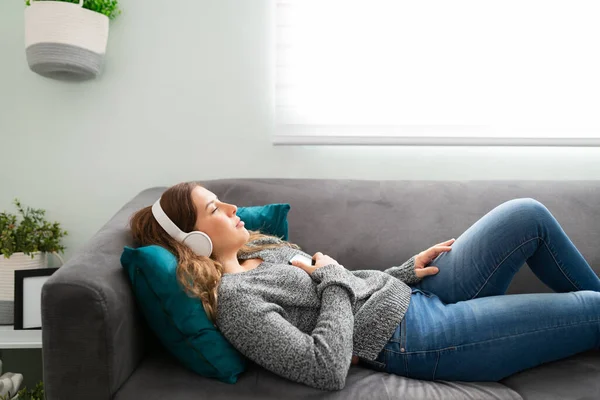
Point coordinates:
[(320, 359), (405, 272), (418, 266)]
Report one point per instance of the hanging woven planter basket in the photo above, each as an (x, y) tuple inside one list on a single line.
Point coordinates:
[(64, 40)]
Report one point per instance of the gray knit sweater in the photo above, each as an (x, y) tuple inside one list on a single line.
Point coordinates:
[(307, 327)]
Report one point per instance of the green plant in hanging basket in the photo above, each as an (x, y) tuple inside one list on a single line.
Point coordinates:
[(32, 234), (110, 8)]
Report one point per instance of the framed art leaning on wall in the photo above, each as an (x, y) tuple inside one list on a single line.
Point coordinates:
[(28, 297)]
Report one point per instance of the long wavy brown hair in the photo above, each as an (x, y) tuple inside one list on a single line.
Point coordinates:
[(199, 276)]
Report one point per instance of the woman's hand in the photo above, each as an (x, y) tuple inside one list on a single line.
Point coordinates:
[(321, 260), (426, 256)]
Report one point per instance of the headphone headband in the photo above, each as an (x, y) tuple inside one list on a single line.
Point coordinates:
[(166, 222)]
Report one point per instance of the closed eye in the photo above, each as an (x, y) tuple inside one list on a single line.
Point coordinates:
[(216, 208)]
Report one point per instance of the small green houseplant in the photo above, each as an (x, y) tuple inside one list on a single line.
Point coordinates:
[(67, 39), (37, 393), (110, 8), (24, 244), (33, 233)]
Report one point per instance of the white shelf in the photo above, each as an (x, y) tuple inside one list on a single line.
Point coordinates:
[(20, 339)]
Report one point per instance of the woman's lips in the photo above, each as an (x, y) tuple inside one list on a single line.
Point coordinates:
[(240, 224)]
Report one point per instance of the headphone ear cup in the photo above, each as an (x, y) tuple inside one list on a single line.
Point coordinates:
[(199, 242)]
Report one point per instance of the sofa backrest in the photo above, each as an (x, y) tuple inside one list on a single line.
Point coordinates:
[(372, 224)]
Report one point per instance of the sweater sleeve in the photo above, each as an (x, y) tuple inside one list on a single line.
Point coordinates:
[(321, 359), (334, 274), (405, 272)]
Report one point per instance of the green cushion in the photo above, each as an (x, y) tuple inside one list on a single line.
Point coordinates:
[(179, 321)]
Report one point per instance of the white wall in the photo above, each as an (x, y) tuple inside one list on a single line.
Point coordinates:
[(186, 95)]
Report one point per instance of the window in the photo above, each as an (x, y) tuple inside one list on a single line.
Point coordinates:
[(461, 72)]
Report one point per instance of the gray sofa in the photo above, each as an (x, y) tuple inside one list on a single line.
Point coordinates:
[(96, 345)]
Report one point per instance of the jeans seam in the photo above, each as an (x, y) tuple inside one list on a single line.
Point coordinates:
[(501, 262), (558, 265), (527, 333), (436, 365), (490, 340)]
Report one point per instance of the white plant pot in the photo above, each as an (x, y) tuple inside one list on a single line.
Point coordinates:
[(8, 266), (65, 40)]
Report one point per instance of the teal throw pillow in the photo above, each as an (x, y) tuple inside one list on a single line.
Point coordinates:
[(270, 219), (178, 320)]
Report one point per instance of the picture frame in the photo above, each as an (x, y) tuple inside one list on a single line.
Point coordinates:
[(28, 295)]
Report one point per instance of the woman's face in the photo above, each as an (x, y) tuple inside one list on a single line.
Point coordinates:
[(218, 220)]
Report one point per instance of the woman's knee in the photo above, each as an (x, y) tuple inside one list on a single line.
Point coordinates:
[(527, 209), (589, 296), (587, 304)]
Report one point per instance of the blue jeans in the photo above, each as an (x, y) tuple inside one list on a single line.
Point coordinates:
[(460, 324)]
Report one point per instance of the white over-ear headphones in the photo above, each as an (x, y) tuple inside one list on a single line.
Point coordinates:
[(198, 241)]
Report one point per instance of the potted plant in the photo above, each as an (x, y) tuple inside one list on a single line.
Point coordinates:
[(24, 244), (37, 393), (66, 39)]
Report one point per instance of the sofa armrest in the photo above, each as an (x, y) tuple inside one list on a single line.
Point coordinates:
[(93, 337)]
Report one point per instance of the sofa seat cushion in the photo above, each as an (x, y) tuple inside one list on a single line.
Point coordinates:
[(576, 377), (160, 376)]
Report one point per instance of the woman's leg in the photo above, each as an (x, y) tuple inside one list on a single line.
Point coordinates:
[(482, 336), (485, 258), (490, 338)]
